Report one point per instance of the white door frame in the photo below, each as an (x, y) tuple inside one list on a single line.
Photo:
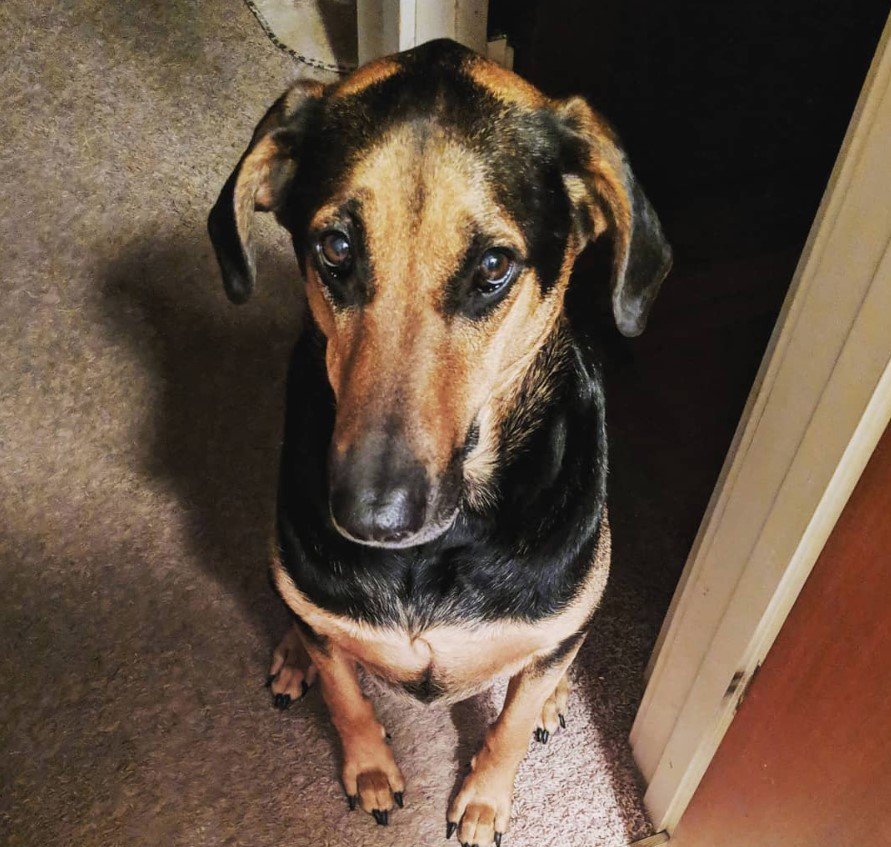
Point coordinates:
[(388, 26), (820, 402)]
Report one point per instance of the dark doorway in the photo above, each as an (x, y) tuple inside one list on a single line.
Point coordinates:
[(732, 117)]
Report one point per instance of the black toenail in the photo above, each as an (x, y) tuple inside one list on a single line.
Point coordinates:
[(282, 701), (498, 839), (353, 800), (304, 687), (451, 826), (270, 679), (537, 734), (545, 735), (399, 797), (377, 814), (562, 720)]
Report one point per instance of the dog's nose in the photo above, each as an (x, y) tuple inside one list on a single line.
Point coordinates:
[(378, 493), (386, 517)]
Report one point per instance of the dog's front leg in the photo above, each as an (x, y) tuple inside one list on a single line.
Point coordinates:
[(371, 777), (481, 810)]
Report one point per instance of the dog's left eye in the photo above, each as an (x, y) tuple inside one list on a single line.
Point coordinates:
[(494, 271), (334, 251)]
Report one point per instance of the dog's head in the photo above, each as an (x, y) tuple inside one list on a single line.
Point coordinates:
[(436, 203)]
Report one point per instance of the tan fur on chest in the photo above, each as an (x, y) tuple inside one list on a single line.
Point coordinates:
[(460, 658)]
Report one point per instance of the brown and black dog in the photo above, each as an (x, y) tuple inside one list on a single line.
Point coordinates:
[(442, 497)]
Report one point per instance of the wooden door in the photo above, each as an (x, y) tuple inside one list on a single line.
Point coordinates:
[(807, 761)]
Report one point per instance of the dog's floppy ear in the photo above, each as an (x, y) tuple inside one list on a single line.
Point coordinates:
[(606, 196), (259, 183)]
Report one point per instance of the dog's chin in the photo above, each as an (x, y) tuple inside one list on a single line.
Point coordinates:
[(428, 533)]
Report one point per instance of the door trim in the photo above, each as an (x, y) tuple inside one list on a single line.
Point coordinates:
[(819, 404), (388, 26)]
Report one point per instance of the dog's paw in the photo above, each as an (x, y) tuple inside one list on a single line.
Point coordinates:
[(553, 713), (481, 810), (291, 673), (371, 777)]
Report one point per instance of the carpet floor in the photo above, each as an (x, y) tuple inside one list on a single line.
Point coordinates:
[(140, 415)]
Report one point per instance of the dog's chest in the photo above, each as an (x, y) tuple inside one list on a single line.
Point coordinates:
[(448, 660)]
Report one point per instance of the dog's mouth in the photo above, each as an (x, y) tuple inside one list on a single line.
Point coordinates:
[(429, 532)]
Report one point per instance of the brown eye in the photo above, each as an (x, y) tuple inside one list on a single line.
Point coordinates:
[(495, 269), (334, 251)]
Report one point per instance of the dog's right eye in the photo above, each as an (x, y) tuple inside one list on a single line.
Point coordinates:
[(335, 251)]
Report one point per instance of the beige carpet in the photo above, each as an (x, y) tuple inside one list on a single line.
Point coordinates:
[(139, 421)]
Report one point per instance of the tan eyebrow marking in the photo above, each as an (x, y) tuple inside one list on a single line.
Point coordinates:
[(366, 76)]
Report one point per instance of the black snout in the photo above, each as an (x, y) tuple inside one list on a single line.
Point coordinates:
[(379, 492)]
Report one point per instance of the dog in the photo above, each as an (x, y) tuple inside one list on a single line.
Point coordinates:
[(441, 515)]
